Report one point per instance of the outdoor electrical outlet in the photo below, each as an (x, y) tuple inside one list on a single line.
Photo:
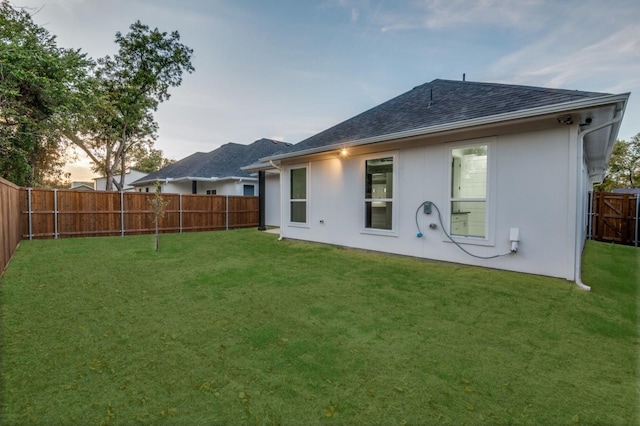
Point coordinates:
[(427, 208)]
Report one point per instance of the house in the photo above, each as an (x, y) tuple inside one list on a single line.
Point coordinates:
[(100, 184), (484, 174), (220, 172)]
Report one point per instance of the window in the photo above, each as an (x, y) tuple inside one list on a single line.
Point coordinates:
[(211, 191), (248, 190), (469, 191), (378, 197), (298, 195)]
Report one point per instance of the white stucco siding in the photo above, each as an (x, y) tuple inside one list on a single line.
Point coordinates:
[(536, 175), (530, 177), (224, 187), (174, 188), (132, 176), (272, 199)]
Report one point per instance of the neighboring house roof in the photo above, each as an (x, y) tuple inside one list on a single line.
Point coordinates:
[(626, 190), (81, 186), (438, 106), (221, 163)]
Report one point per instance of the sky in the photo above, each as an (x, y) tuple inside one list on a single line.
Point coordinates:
[(288, 69)]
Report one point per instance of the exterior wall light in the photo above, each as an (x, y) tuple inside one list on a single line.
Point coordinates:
[(565, 119)]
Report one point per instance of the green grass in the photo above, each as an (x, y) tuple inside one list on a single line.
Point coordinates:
[(238, 328)]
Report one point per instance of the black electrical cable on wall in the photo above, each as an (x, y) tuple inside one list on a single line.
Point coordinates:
[(419, 235)]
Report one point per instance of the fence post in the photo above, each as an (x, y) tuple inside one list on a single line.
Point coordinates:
[(180, 212), (29, 213), (122, 213), (590, 217), (55, 213), (637, 208), (227, 215)]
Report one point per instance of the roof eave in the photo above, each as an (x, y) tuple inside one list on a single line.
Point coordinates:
[(480, 121), (597, 169), (194, 178)]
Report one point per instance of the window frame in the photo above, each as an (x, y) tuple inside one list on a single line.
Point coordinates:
[(489, 222), (246, 186), (394, 199), (298, 200)]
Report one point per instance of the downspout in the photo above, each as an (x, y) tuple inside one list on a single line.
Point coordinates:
[(261, 200), (580, 150), (281, 195)]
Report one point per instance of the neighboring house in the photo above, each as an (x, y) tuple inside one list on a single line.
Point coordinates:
[(219, 172), (100, 184), (491, 169)]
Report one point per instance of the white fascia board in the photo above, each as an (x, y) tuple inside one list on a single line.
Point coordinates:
[(194, 178), (147, 182), (491, 119), (237, 178), (191, 179), (256, 167)]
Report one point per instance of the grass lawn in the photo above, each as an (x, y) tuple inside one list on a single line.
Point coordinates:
[(238, 328)]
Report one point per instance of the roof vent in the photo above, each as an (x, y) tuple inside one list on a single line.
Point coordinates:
[(430, 99)]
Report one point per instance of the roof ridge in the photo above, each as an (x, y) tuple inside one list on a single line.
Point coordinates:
[(523, 86)]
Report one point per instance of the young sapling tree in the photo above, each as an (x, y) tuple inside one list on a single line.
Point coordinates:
[(158, 206)]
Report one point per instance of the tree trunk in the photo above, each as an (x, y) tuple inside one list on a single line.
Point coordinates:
[(157, 236), (121, 160), (123, 171), (108, 169)]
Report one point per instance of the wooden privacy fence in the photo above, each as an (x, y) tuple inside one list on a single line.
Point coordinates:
[(9, 221), (614, 218), (47, 213)]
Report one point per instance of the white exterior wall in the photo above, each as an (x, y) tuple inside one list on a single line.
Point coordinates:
[(532, 186), (101, 183), (227, 187), (272, 200)]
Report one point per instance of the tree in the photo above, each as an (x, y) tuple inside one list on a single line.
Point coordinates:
[(58, 182), (149, 160), (40, 85), (624, 165), (128, 88), (158, 205)]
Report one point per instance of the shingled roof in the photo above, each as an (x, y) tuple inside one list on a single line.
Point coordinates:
[(223, 162), (437, 103)]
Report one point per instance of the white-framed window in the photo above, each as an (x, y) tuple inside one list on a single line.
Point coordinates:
[(298, 195), (211, 191), (470, 172), (379, 192), (248, 190)]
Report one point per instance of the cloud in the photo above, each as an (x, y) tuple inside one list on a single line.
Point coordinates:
[(441, 15), (355, 14), (615, 57)]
